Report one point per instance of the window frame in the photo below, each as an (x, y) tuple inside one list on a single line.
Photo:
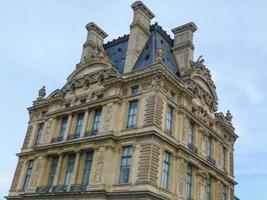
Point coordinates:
[(165, 176), (224, 192), (28, 175), (209, 146), (125, 164), (191, 133), (53, 170), (40, 133), (189, 182), (132, 114), (63, 127), (169, 119), (69, 169), (87, 167), (97, 120), (79, 124)]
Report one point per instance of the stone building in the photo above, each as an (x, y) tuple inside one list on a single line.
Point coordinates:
[(136, 119)]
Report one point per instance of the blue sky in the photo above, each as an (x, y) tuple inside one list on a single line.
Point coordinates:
[(41, 41)]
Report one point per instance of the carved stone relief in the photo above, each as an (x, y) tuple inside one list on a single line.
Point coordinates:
[(107, 117), (100, 161)]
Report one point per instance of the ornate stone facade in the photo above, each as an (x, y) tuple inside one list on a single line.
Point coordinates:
[(137, 119)]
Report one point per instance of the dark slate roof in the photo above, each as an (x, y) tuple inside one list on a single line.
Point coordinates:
[(117, 49)]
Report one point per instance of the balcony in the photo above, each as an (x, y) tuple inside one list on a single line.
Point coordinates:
[(57, 139), (59, 188), (73, 136), (211, 160), (77, 188), (42, 189), (192, 148), (90, 133)]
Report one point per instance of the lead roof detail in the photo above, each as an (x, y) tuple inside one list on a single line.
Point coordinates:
[(158, 39)]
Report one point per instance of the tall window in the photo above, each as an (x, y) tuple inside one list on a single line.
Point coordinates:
[(69, 171), (224, 158), (79, 124), (125, 164), (209, 146), (169, 119), (87, 167), (96, 123), (53, 169), (191, 133), (224, 192), (189, 182), (209, 190), (165, 170), (39, 133), (28, 175), (63, 127), (132, 114)]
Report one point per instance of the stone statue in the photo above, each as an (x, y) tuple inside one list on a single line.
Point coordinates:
[(42, 93), (159, 55), (229, 117)]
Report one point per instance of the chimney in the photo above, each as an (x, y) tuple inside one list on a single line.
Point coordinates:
[(183, 47), (95, 38), (139, 33)]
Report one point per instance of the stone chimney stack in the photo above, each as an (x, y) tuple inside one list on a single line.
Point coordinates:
[(139, 33), (95, 38), (183, 47)]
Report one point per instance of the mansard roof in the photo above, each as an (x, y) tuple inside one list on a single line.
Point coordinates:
[(159, 39)]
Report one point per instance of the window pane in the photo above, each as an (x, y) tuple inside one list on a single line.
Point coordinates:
[(70, 166), (132, 114), (189, 182), (96, 123), (53, 168), (39, 133), (63, 127), (169, 119), (165, 170), (87, 168), (28, 175), (191, 133), (209, 146), (125, 164), (79, 124)]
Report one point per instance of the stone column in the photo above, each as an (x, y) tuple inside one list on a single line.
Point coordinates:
[(43, 167), (85, 119), (53, 129), (75, 168), (181, 176), (68, 127), (56, 178)]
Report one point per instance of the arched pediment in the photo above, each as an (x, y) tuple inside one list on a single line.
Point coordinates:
[(87, 69), (202, 85), (202, 76), (56, 93), (98, 60)]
